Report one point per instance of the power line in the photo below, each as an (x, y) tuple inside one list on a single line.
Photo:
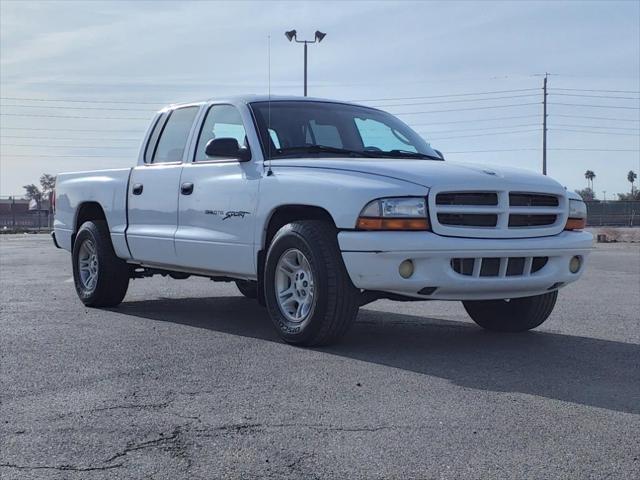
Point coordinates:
[(596, 90), (485, 128), (592, 96), (79, 101), (66, 146), (477, 120), (597, 127), (597, 118), (62, 156), (594, 131), (485, 134), (594, 106), (81, 108), (69, 130), (538, 149), (444, 96), (453, 101), (71, 116), (72, 138), (467, 109)]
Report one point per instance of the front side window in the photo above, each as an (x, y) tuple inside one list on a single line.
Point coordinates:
[(304, 129), (174, 136), (222, 121)]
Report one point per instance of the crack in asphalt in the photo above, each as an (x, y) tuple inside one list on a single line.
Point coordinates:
[(60, 467)]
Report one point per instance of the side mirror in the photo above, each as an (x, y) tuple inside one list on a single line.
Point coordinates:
[(439, 154), (227, 148)]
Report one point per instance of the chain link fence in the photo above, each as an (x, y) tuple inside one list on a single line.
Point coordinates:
[(21, 215)]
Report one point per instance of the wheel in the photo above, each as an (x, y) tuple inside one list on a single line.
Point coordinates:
[(308, 292), (101, 278), (248, 288), (514, 315)]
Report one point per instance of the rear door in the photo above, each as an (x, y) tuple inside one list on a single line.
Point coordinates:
[(217, 213), (154, 188)]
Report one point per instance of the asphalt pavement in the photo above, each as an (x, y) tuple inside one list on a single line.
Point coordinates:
[(187, 379)]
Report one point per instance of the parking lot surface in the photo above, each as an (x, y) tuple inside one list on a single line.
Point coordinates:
[(187, 379)]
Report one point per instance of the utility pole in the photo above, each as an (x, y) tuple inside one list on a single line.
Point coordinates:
[(544, 126), (318, 36)]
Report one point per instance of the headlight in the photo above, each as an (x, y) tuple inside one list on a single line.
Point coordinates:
[(577, 215), (403, 213)]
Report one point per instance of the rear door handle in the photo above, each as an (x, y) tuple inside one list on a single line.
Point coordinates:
[(137, 189), (186, 188)]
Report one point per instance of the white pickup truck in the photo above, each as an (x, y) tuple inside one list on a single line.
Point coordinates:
[(316, 207)]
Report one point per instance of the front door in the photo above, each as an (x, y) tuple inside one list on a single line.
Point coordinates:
[(217, 206), (154, 189)]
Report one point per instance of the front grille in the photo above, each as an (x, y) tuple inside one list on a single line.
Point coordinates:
[(468, 219), (467, 198), (518, 220), (496, 214), (498, 266)]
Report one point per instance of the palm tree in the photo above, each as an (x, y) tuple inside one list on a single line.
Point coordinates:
[(589, 175), (631, 176)]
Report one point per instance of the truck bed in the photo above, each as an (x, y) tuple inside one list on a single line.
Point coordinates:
[(107, 188)]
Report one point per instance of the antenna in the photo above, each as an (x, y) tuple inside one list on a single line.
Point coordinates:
[(269, 141)]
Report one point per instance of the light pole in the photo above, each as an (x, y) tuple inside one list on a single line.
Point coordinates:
[(292, 35)]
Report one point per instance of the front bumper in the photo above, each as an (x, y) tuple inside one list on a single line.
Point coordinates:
[(372, 260)]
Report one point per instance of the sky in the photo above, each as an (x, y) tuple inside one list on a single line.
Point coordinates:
[(80, 80)]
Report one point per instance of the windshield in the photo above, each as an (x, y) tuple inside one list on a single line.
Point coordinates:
[(302, 128)]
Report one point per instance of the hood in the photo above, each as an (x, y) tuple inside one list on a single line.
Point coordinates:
[(434, 173)]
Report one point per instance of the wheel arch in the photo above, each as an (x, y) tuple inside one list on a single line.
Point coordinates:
[(85, 212), (278, 218)]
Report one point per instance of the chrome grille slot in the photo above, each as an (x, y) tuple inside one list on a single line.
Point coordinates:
[(498, 267)]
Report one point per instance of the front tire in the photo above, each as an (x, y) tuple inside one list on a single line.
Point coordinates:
[(100, 277), (513, 315), (308, 292)]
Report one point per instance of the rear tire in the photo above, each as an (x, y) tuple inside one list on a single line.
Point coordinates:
[(248, 288), (308, 292), (514, 315), (100, 277)]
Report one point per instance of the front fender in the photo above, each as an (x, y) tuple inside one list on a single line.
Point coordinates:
[(342, 194)]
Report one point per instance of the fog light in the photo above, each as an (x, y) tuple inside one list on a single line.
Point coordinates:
[(575, 264), (406, 269)]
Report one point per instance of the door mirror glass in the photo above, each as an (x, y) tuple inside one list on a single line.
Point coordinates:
[(227, 148)]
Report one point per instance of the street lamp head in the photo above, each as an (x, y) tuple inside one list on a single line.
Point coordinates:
[(320, 35), (291, 34)]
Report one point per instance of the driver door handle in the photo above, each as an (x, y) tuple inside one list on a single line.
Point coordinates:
[(186, 188), (137, 189)]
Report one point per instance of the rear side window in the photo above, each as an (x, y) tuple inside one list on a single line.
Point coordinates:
[(173, 139), (153, 138)]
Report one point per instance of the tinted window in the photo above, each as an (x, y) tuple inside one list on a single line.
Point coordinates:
[(378, 135), (222, 121), (293, 128), (173, 139), (153, 138)]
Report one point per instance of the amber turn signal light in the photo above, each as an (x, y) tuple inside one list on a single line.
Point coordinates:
[(575, 224), (372, 223)]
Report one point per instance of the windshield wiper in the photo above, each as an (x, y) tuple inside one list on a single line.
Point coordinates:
[(408, 154), (324, 149)]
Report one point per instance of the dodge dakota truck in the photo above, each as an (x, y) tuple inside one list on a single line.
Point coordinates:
[(316, 207)]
